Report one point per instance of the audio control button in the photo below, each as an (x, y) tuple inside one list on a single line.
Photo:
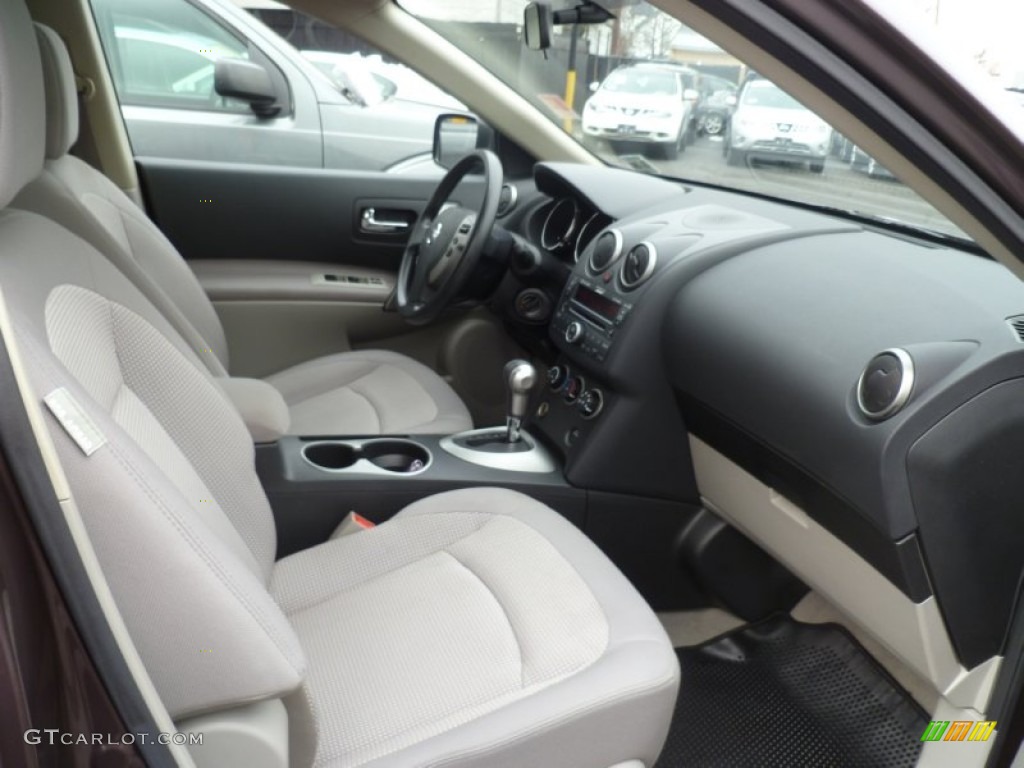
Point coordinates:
[(573, 332)]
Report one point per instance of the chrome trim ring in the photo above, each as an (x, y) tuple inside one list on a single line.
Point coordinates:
[(648, 270), (600, 403), (616, 253), (902, 394), (580, 245), (566, 236), (513, 198)]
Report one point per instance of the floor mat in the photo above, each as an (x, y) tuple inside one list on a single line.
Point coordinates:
[(782, 693)]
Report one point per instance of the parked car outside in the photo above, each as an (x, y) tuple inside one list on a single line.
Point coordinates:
[(652, 105), (167, 52), (770, 124), (716, 106)]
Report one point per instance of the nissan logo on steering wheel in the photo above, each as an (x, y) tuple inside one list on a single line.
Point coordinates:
[(435, 232)]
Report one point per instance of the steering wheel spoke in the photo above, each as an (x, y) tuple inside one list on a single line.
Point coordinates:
[(447, 241)]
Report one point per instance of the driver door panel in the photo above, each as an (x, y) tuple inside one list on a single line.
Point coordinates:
[(260, 212), (286, 260)]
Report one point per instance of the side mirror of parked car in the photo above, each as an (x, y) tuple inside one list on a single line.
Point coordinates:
[(455, 136), (731, 100), (248, 81), (691, 94), (594, 86)]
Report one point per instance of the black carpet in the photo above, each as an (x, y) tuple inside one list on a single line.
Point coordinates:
[(782, 693)]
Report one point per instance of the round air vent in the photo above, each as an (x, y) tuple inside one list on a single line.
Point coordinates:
[(638, 265), (607, 248), (507, 199), (886, 384)]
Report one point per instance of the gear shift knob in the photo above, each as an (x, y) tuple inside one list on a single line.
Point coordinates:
[(520, 379)]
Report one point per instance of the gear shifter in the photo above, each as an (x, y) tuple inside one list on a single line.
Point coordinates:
[(520, 379), (506, 448)]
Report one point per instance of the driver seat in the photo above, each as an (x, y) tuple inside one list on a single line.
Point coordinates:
[(350, 393)]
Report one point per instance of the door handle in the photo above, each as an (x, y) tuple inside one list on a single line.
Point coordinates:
[(371, 224)]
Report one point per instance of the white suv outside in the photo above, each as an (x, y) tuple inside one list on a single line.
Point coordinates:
[(650, 104), (771, 124)]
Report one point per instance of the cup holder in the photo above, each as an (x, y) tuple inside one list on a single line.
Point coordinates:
[(396, 455), (330, 455), (374, 456)]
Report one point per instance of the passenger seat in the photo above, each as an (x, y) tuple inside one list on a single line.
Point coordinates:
[(476, 628)]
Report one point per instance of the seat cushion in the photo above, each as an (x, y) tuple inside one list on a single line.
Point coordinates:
[(479, 625), (372, 392)]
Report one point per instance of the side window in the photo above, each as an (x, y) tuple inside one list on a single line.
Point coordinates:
[(364, 74), (162, 53)]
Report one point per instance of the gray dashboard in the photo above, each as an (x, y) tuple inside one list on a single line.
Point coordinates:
[(754, 331)]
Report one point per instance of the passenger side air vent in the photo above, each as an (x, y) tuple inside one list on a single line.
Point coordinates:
[(886, 384), (1017, 326), (638, 265), (507, 199), (607, 248)]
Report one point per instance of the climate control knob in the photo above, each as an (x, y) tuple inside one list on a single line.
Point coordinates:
[(574, 331), (590, 403), (557, 374), (573, 388)]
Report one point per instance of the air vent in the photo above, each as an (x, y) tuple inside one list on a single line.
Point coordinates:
[(638, 265), (886, 384), (507, 199), (607, 248), (1017, 326)]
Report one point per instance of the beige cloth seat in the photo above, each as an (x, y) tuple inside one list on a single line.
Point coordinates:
[(350, 393), (476, 628)]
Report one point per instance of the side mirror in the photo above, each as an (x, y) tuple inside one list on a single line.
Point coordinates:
[(690, 94), (537, 24), (248, 81), (455, 136), (594, 86), (731, 100)]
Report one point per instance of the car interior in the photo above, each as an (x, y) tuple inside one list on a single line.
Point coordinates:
[(553, 464)]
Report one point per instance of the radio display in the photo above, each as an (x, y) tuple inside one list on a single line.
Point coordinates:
[(596, 303)]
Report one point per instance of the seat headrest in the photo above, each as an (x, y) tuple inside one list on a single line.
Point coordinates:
[(61, 94), (22, 105)]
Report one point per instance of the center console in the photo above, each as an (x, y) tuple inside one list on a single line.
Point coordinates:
[(314, 482)]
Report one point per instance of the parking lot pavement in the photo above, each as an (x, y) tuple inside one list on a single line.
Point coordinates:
[(839, 186)]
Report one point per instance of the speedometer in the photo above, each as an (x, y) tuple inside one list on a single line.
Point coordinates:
[(588, 232), (560, 225)]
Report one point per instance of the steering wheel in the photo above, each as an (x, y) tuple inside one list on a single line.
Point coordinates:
[(447, 242)]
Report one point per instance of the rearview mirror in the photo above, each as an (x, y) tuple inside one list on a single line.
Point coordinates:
[(539, 20), (537, 26), (248, 81), (455, 137)]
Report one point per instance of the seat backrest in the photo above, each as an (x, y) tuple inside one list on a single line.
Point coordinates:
[(83, 200), (159, 462)]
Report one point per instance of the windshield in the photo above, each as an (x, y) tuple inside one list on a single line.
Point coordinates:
[(713, 132)]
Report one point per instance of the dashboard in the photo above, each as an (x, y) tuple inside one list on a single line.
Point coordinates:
[(860, 384)]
